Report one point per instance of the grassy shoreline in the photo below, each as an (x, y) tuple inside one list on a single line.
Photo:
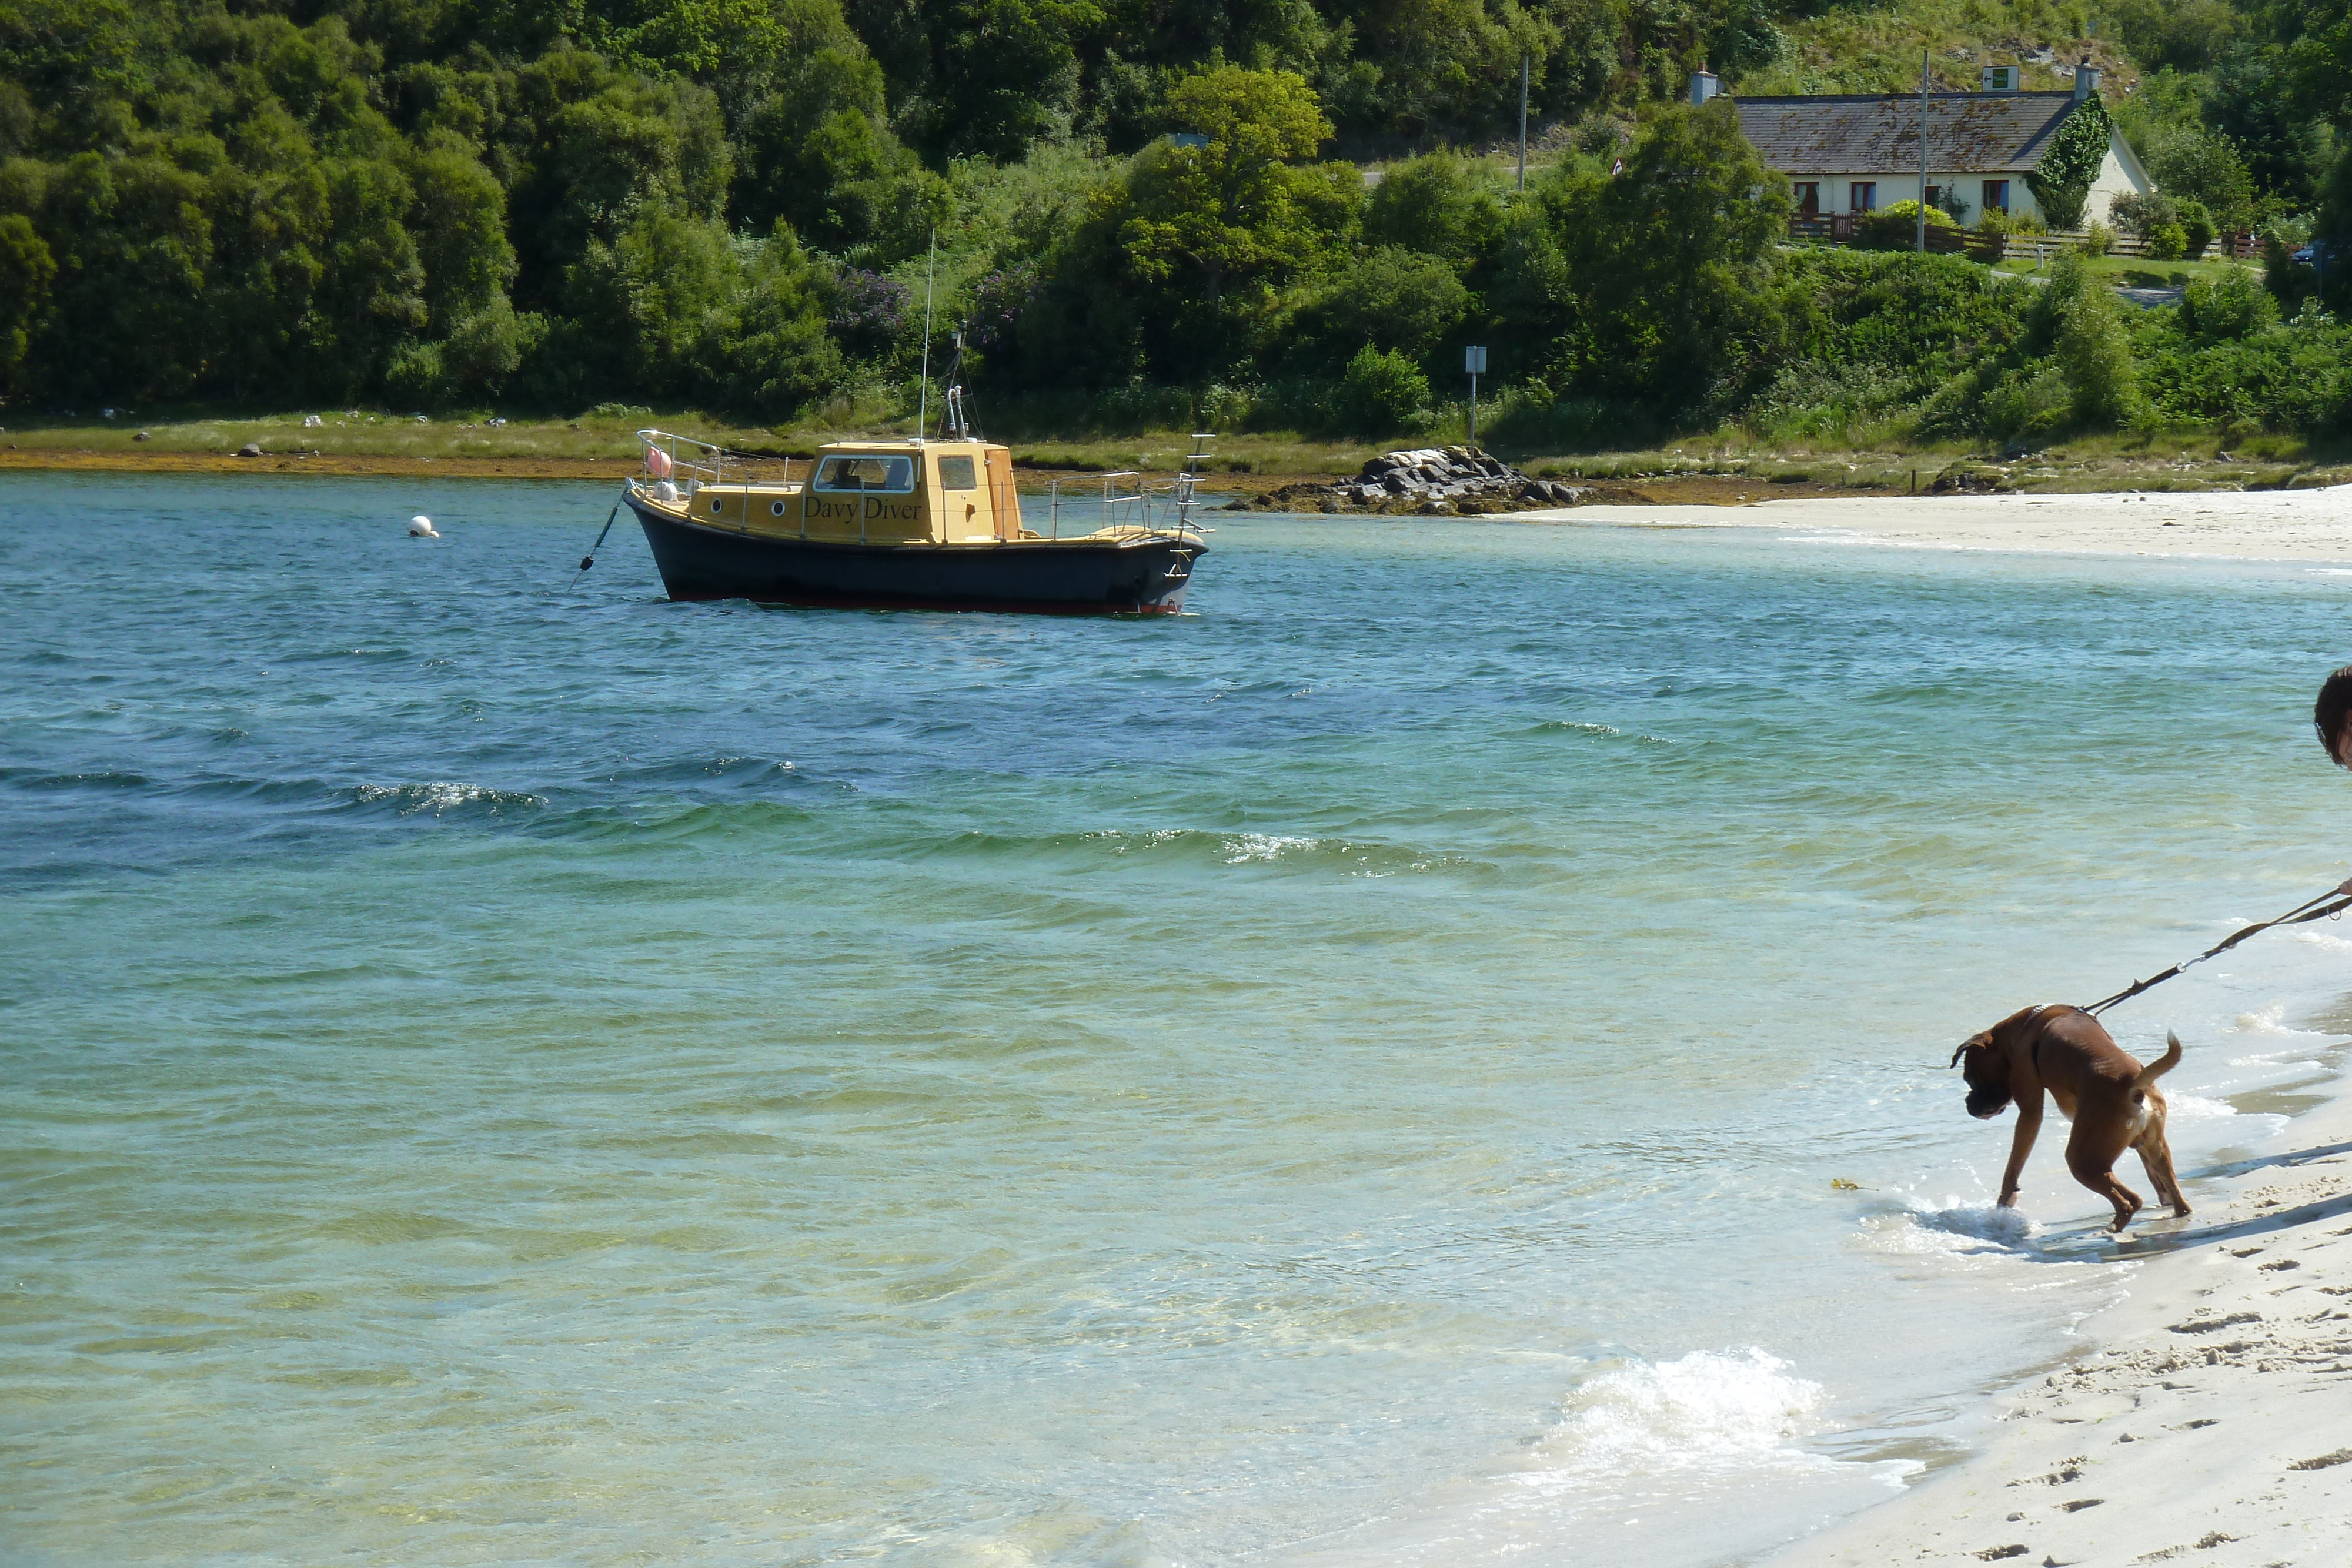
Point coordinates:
[(1725, 468)]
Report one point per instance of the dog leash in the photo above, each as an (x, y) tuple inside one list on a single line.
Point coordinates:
[(2333, 902)]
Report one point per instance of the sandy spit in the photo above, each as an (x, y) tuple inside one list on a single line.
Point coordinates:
[(2254, 524), (2208, 1420)]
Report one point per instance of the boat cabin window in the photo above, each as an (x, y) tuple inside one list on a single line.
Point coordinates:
[(895, 474), (955, 474)]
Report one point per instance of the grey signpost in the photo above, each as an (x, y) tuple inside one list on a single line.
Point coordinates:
[(1474, 361)]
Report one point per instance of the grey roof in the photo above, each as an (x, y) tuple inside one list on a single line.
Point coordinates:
[(1967, 133)]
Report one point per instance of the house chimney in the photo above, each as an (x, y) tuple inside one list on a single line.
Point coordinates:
[(1705, 85), (2087, 78)]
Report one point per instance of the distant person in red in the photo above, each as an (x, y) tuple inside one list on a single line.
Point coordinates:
[(2331, 716)]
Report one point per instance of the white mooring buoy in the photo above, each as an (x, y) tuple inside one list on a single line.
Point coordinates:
[(421, 527)]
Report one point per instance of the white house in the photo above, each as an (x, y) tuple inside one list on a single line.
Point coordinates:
[(1847, 153)]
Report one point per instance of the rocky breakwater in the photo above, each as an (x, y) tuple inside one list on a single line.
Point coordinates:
[(1432, 481)]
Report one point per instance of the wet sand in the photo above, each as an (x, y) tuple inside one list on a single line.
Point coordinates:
[(2208, 1417)]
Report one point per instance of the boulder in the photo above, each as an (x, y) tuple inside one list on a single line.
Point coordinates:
[(1968, 479)]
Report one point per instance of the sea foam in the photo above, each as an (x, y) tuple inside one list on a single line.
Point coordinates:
[(1708, 1410)]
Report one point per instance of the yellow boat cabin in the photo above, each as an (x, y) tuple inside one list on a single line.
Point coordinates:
[(875, 493)]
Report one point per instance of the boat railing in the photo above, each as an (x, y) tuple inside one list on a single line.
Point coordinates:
[(690, 464), (1129, 507)]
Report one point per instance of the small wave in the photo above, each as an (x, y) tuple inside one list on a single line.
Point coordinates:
[(97, 779), (1953, 1228), (1120, 843), (1708, 1410), (1598, 731), (2272, 1021), (1244, 848), (2327, 941), (2183, 1107), (439, 797)]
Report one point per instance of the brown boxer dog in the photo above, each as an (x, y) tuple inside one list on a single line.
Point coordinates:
[(2112, 1100)]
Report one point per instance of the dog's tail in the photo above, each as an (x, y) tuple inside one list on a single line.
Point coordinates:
[(2161, 1065)]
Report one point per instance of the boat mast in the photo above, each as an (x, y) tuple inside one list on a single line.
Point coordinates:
[(923, 398)]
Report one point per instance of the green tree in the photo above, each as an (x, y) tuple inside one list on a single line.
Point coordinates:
[(588, 147), (1669, 264), (132, 244), (1424, 64), (2201, 166), (2185, 35), (2224, 309), (26, 271), (458, 220), (657, 289), (2095, 356), (772, 343), (2255, 101), (1389, 299), (1380, 394), (370, 290), (1441, 205), (1212, 229)]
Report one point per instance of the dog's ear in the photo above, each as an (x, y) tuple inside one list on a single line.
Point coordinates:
[(1959, 1051)]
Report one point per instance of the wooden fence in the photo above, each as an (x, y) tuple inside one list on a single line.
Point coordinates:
[(1837, 228)]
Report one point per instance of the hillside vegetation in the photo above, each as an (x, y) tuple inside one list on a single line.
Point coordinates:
[(745, 204)]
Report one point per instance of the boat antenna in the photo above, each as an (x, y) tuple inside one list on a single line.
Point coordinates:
[(954, 421), (923, 398)]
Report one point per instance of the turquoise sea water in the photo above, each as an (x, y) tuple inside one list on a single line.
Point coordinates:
[(497, 1074)]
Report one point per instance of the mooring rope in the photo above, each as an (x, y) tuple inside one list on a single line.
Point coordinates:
[(590, 559), (2332, 903)]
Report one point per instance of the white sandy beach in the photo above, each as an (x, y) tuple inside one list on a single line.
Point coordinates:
[(2208, 1417), (2259, 525)]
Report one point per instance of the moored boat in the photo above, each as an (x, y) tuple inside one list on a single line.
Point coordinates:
[(910, 524)]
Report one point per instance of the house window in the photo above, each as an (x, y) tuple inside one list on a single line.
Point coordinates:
[(1995, 195), (1936, 195), (1809, 198), (1866, 197)]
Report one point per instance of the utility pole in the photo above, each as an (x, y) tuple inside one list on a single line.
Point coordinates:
[(1474, 360), (1923, 151), (1522, 122)]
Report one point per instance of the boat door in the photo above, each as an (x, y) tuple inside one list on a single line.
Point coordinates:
[(1003, 498)]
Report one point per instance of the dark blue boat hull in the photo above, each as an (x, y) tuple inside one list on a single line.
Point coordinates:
[(1078, 576)]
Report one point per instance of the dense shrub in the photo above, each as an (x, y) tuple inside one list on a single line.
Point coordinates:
[(2095, 356), (1896, 227), (1382, 391)]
